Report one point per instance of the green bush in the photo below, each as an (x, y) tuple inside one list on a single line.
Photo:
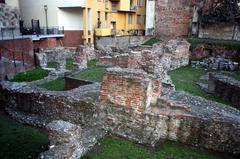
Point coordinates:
[(33, 75)]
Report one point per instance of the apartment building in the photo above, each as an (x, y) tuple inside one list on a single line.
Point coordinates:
[(122, 17), (82, 19)]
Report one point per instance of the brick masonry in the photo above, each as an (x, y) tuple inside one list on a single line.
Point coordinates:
[(130, 88), (72, 38), (201, 51), (168, 119), (23, 49), (172, 17)]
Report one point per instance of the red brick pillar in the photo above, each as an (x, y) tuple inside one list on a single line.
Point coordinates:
[(130, 88)]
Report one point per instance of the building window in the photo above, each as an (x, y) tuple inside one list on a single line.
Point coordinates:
[(139, 3), (114, 7), (106, 20), (139, 19), (129, 18), (106, 4)]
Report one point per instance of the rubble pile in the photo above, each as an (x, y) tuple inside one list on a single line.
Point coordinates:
[(217, 63)]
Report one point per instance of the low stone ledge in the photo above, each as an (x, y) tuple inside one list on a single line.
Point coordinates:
[(225, 87)]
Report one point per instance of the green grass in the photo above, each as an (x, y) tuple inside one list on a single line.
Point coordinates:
[(69, 64), (32, 75), (92, 63), (52, 64), (237, 75), (152, 41), (19, 141), (92, 73), (185, 79), (115, 148), (55, 85)]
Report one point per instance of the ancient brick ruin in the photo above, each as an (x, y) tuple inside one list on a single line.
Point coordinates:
[(225, 87), (131, 102), (130, 87)]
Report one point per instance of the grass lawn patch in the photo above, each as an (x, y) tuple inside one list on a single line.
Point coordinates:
[(152, 41), (69, 64), (185, 79), (93, 72), (237, 75), (92, 63), (55, 85), (32, 75), (115, 148), (19, 141)]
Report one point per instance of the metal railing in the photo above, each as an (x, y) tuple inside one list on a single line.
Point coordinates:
[(17, 33)]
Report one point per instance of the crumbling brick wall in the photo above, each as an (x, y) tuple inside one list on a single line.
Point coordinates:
[(130, 87), (172, 17)]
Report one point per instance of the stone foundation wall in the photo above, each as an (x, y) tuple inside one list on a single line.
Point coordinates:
[(225, 87), (54, 106), (112, 44), (171, 54), (167, 120), (201, 51), (220, 31), (152, 127), (71, 83), (56, 55)]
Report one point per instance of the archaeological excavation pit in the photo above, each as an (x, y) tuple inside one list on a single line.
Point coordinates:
[(64, 84)]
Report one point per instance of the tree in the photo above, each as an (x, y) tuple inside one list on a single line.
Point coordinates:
[(221, 11)]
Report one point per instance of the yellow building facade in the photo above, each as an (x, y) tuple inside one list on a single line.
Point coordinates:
[(113, 17)]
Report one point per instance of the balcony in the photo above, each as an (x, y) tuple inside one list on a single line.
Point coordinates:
[(71, 3), (103, 32)]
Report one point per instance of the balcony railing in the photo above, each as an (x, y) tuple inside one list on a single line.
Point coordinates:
[(20, 33)]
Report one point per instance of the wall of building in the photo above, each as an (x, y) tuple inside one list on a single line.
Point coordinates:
[(68, 14), (150, 17), (32, 9), (172, 18), (220, 31), (70, 18), (13, 3)]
